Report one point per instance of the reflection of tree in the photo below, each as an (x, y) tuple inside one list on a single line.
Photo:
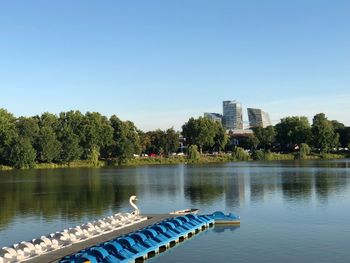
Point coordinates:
[(326, 183), (203, 186), (297, 185), (72, 193), (256, 189), (234, 192)]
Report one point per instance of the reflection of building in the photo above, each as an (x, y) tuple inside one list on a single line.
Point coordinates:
[(213, 116), (232, 115), (235, 192), (258, 118)]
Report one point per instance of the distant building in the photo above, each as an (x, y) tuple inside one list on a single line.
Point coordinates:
[(258, 118), (232, 118), (213, 116)]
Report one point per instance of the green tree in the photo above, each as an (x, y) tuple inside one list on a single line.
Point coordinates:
[(124, 150), (292, 131), (98, 133), (221, 138), (28, 127), (304, 151), (171, 141), (8, 134), (344, 133), (22, 154), (266, 136), (259, 155), (94, 155), (193, 154), (126, 139), (70, 148), (239, 154), (253, 142), (324, 137), (48, 147), (201, 132), (145, 141)]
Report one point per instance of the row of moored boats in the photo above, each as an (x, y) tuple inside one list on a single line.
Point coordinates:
[(27, 250)]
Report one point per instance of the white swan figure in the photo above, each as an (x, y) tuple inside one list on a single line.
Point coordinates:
[(137, 210)]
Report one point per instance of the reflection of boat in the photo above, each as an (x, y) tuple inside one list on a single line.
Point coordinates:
[(185, 211), (220, 218), (220, 228)]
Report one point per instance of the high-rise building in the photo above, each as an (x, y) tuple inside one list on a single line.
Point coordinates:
[(257, 117), (213, 116), (232, 118)]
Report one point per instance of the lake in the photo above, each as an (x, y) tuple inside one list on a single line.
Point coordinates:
[(293, 211)]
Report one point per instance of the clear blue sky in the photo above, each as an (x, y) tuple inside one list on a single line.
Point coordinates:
[(159, 62)]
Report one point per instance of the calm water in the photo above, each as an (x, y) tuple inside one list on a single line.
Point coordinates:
[(290, 211)]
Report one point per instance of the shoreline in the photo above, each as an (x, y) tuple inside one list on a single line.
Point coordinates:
[(142, 161)]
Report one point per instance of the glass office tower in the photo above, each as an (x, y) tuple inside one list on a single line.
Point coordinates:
[(232, 118)]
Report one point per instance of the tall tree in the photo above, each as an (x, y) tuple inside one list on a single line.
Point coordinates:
[(98, 133), (126, 140), (70, 148), (22, 154), (8, 134), (265, 136), (28, 127), (324, 137), (344, 133), (292, 131), (48, 146), (200, 132), (221, 138)]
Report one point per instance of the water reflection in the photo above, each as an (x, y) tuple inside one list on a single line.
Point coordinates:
[(224, 228), (73, 194)]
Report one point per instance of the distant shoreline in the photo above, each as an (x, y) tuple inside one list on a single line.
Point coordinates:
[(141, 161)]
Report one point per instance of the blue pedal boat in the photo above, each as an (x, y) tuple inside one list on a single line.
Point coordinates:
[(220, 218)]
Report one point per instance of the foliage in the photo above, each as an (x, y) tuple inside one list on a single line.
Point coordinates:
[(160, 142), (265, 136), (126, 140), (253, 142), (70, 148), (304, 151), (22, 154), (205, 133), (272, 156), (324, 137), (193, 154), (98, 132), (344, 133), (292, 131), (48, 146), (28, 128), (258, 155), (72, 138), (94, 156), (8, 134), (239, 154)]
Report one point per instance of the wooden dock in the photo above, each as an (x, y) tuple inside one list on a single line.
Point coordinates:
[(56, 255)]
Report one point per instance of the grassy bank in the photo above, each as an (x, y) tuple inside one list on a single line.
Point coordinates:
[(221, 158), (5, 168)]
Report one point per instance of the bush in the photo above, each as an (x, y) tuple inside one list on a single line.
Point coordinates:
[(239, 154), (258, 155), (193, 154), (304, 151)]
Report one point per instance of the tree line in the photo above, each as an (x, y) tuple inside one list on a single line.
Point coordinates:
[(291, 135), (71, 136)]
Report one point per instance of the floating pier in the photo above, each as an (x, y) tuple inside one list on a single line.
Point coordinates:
[(123, 237), (145, 242)]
